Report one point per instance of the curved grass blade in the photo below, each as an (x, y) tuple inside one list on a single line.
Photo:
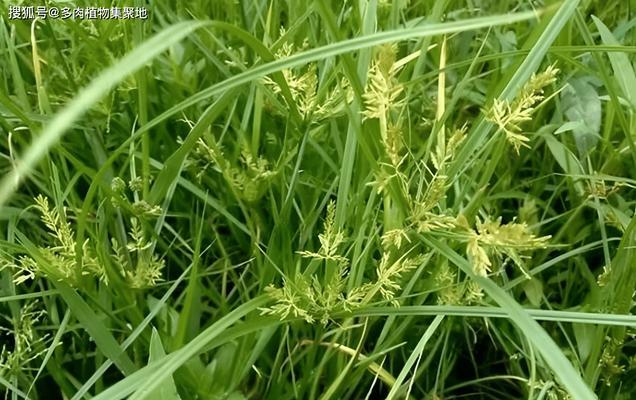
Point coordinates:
[(133, 336), (558, 362), (415, 355), (141, 382), (49, 352), (499, 312), (347, 46), (298, 59), (195, 346), (623, 70), (167, 389), (102, 336), (89, 96), (520, 76)]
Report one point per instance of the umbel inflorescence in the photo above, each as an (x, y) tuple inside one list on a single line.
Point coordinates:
[(488, 241), (134, 262)]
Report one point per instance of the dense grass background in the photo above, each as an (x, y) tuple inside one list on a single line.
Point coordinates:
[(330, 199)]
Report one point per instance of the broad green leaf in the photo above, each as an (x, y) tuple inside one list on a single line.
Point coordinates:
[(567, 161), (623, 70), (533, 289), (584, 335), (102, 336), (582, 107), (167, 389)]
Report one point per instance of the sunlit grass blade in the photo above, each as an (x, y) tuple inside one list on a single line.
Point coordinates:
[(87, 98), (343, 47)]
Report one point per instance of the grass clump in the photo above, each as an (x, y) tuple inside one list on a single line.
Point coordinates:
[(58, 262), (510, 115), (308, 298)]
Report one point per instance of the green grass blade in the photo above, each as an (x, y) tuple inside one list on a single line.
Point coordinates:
[(560, 365), (88, 97), (530, 64), (86, 316), (415, 355), (621, 65), (52, 347), (215, 335), (98, 331), (173, 165), (133, 336), (166, 390), (499, 312), (195, 346), (344, 47)]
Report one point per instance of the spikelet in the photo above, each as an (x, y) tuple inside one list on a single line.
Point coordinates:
[(473, 293), (610, 364), (478, 257), (60, 260), (26, 345), (383, 90), (422, 218), (144, 269), (390, 272), (509, 116), (445, 280), (383, 177), (444, 152), (302, 85), (501, 240), (330, 239), (604, 277), (393, 144), (291, 300), (250, 179), (395, 237), (305, 297)]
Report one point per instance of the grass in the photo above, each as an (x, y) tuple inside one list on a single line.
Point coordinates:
[(321, 200)]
